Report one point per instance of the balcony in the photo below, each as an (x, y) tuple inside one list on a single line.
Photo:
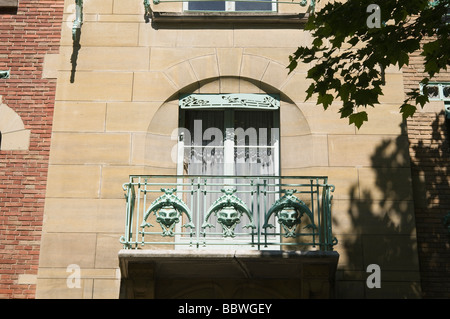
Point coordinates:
[(281, 213), (191, 236)]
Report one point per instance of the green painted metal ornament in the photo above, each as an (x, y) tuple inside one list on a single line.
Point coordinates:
[(289, 210), (229, 210), (168, 209)]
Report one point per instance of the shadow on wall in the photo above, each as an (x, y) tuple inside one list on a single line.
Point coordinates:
[(381, 228), (431, 172)]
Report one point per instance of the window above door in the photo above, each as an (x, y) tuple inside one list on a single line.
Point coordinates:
[(261, 13), (230, 6)]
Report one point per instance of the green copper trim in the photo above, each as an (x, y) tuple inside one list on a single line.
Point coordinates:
[(78, 19), (246, 101), (190, 208)]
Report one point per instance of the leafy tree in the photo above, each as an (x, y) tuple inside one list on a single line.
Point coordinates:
[(351, 55)]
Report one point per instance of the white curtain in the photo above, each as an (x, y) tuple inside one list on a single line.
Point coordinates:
[(252, 138)]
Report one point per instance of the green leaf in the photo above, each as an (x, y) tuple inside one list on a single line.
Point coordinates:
[(325, 100), (407, 110), (317, 42), (403, 59), (310, 91), (347, 109), (358, 118)]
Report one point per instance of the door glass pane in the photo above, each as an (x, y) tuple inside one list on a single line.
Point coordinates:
[(203, 143), (255, 139)]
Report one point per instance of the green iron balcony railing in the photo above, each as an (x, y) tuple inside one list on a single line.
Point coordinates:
[(229, 211)]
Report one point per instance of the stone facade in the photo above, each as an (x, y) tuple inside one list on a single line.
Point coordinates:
[(116, 106)]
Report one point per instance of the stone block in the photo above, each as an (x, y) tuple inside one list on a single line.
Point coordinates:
[(79, 117), (130, 116), (368, 150), (94, 86), (154, 150), (73, 181), (304, 151), (205, 67), (229, 60), (152, 86), (162, 58), (105, 58), (90, 148), (253, 67), (182, 74), (84, 215), (63, 249)]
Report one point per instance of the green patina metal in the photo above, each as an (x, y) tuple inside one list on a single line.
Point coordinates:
[(5, 74), (78, 19), (238, 100), (289, 210), (229, 210), (254, 212), (147, 7), (437, 91), (168, 209)]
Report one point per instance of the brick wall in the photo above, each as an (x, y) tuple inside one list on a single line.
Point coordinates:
[(26, 35), (429, 136)]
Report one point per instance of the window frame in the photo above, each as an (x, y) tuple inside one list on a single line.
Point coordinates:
[(230, 6), (228, 108), (228, 103)]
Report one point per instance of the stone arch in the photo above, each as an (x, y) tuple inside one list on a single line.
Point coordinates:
[(192, 73), (14, 136), (161, 137)]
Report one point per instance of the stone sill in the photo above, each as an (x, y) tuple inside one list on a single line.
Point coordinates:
[(244, 19), (233, 264), (9, 3)]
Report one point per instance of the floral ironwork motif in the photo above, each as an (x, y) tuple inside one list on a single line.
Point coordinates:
[(251, 101), (168, 209)]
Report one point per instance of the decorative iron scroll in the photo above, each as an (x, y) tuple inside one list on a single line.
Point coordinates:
[(229, 210), (248, 101), (168, 209), (289, 210)]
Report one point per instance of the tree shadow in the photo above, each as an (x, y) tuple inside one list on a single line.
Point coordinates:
[(431, 170), (379, 227)]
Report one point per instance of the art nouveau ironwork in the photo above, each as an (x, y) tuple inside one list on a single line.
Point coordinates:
[(253, 212)]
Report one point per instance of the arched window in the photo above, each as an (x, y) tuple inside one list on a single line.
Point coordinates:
[(227, 137), (229, 134)]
